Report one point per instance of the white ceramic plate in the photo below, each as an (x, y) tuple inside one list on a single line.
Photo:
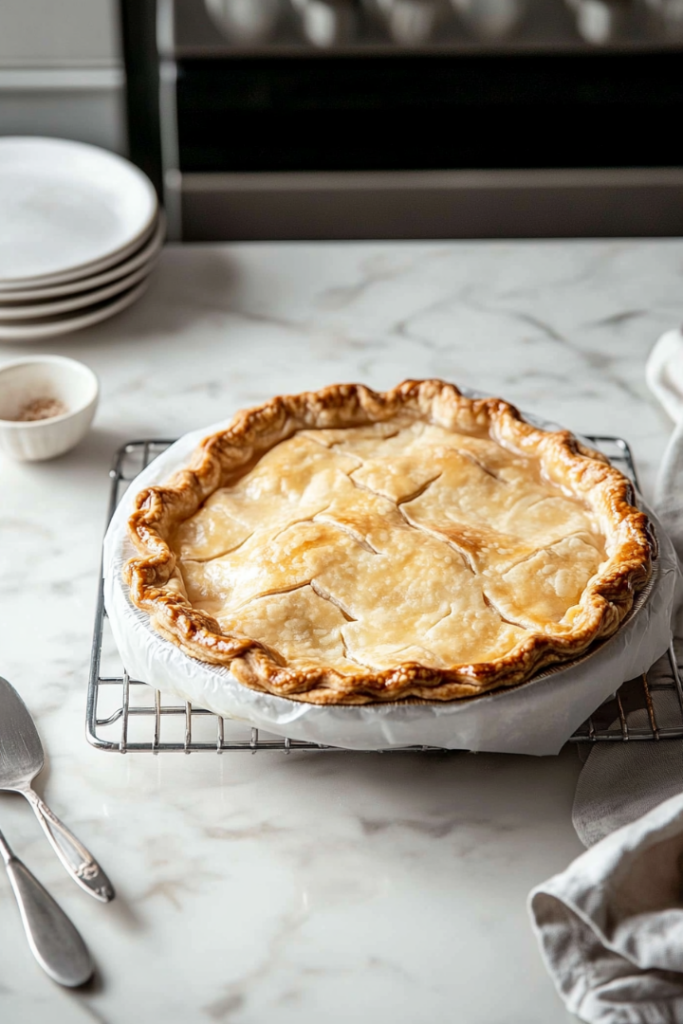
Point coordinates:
[(143, 256), (39, 310), (52, 326), (68, 210)]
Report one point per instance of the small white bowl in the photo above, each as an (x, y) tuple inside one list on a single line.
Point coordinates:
[(45, 377)]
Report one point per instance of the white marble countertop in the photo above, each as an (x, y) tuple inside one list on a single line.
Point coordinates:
[(326, 887)]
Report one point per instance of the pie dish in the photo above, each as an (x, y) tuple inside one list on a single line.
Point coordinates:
[(349, 547)]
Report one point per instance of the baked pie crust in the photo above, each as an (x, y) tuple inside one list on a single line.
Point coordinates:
[(348, 547)]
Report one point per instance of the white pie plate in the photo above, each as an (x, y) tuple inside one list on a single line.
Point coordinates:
[(50, 327), (68, 210), (537, 717), (145, 255)]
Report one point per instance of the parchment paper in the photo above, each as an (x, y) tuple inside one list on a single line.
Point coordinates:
[(535, 718)]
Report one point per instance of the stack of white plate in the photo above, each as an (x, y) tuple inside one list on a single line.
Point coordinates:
[(81, 229)]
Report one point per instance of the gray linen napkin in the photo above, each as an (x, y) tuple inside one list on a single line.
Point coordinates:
[(610, 927)]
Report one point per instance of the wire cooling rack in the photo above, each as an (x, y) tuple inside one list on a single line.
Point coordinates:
[(125, 714)]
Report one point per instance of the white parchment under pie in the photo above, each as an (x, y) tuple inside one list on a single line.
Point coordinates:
[(534, 718)]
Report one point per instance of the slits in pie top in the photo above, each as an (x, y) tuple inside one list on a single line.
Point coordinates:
[(344, 546)]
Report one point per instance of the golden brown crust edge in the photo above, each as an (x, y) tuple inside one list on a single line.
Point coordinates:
[(606, 601)]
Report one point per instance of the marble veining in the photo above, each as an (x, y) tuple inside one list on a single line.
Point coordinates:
[(331, 887)]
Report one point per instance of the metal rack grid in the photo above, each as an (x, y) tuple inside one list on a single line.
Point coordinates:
[(126, 714)]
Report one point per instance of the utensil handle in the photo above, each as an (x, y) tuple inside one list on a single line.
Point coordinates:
[(80, 864), (54, 940)]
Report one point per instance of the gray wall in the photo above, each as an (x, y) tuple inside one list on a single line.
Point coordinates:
[(61, 72)]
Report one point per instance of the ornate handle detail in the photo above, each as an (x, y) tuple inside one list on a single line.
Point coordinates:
[(80, 864)]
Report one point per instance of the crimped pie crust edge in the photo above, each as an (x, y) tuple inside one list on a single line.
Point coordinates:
[(605, 602)]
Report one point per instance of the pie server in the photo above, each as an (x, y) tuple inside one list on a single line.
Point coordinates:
[(21, 759)]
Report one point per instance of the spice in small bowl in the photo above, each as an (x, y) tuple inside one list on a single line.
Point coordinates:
[(41, 409), (47, 404)]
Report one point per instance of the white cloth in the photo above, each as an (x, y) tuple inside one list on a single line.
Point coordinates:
[(664, 373), (610, 927)]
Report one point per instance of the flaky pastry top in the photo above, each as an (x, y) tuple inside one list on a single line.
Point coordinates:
[(345, 546)]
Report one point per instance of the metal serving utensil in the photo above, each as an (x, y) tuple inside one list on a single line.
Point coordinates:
[(54, 940), (21, 759)]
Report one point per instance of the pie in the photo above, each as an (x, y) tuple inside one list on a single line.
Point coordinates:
[(348, 547)]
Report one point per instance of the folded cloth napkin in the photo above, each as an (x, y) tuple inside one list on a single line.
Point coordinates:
[(610, 927)]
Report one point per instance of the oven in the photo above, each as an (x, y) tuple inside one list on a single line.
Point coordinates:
[(311, 119)]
